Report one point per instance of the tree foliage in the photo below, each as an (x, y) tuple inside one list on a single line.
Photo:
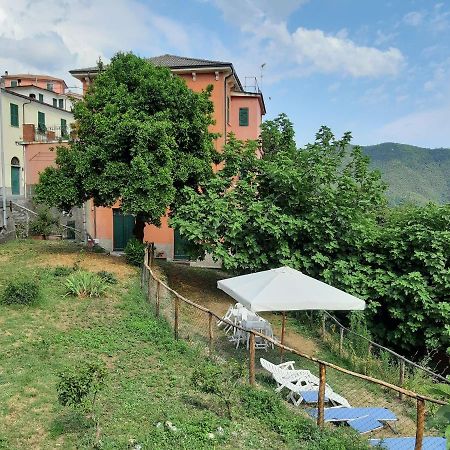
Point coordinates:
[(322, 210), (142, 134)]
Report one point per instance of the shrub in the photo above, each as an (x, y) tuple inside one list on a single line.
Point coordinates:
[(107, 277), (44, 223), (62, 271), (134, 252), (78, 387), (21, 292), (85, 284), (220, 381)]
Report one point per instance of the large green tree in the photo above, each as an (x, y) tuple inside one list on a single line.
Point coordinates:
[(320, 209), (142, 134)]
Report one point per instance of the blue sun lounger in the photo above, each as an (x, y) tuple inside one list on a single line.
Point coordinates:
[(362, 419), (408, 443), (311, 396)]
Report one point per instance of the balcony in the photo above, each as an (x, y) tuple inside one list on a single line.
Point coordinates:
[(42, 133)]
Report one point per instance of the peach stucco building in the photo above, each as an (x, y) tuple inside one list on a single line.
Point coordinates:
[(235, 110)]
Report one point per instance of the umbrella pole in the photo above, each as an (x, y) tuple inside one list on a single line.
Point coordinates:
[(283, 329)]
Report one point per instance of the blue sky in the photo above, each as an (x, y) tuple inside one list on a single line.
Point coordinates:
[(378, 68)]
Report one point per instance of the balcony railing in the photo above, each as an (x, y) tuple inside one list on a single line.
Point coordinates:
[(43, 133)]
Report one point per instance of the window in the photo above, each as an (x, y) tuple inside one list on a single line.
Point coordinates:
[(14, 110), (41, 98), (55, 102), (50, 86), (64, 133), (243, 117), (14, 83), (61, 103), (41, 122), (33, 96)]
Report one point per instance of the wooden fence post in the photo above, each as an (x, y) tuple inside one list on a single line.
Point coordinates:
[(321, 402), (341, 341), (251, 367), (158, 287), (401, 377), (177, 307), (210, 332), (420, 423)]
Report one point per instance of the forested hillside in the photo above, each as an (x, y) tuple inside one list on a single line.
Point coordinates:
[(414, 174)]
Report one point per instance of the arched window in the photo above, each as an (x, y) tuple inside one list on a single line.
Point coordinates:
[(15, 176)]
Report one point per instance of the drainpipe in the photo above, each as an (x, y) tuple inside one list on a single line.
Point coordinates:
[(226, 105), (2, 155)]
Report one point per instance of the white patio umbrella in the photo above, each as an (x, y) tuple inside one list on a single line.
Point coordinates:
[(286, 289)]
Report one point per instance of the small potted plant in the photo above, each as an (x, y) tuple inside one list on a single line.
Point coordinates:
[(43, 225)]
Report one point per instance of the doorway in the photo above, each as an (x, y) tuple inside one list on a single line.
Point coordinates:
[(123, 225), (15, 176)]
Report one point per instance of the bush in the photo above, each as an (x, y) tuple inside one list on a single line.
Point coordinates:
[(107, 277), (78, 387), (85, 284), (134, 252), (62, 271), (44, 223), (21, 292), (220, 381)]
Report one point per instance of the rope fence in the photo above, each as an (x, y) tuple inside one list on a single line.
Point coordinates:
[(193, 322)]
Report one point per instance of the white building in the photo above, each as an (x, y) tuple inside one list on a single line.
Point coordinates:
[(25, 118)]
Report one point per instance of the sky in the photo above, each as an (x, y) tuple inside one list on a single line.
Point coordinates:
[(377, 68)]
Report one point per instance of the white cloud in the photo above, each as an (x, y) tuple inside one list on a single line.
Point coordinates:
[(428, 128), (413, 18), (302, 51), (333, 54), (81, 31)]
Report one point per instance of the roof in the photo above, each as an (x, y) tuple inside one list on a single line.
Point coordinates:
[(30, 99), (170, 61), (15, 76), (22, 86), (287, 289)]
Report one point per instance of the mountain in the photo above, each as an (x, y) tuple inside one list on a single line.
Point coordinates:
[(414, 174)]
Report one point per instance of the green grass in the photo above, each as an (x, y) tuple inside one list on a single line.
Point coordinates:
[(148, 371)]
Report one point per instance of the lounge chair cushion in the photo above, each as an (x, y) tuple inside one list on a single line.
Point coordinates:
[(365, 424), (408, 443)]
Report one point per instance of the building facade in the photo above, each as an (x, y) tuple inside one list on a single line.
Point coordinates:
[(25, 118), (235, 111)]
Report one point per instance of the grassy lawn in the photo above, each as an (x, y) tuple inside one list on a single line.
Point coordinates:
[(149, 372)]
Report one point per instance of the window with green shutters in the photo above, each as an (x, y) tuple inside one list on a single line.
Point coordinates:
[(61, 103), (55, 102), (64, 128), (14, 83), (41, 122), (243, 117), (41, 98), (14, 110)]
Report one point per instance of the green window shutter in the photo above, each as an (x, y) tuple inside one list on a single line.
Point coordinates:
[(63, 128), (41, 122), (55, 102), (243, 117), (13, 83), (61, 103), (41, 98), (14, 110)]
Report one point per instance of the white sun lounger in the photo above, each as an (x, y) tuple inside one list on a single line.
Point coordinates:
[(298, 381)]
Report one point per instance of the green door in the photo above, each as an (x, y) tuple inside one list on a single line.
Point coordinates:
[(123, 225), (15, 180), (180, 247)]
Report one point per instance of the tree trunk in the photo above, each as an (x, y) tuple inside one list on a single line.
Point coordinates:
[(138, 230)]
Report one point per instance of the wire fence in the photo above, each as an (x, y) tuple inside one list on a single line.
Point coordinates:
[(391, 416), (374, 359)]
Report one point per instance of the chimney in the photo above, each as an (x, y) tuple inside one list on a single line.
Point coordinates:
[(6, 73)]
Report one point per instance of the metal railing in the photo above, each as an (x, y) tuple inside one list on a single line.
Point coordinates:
[(51, 133)]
